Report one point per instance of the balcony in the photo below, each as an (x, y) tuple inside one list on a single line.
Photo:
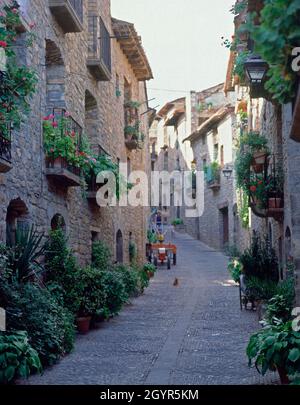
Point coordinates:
[(213, 176), (59, 170), (99, 49), (133, 136), (5, 154), (68, 13)]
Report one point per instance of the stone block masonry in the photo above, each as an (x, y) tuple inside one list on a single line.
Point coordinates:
[(26, 195)]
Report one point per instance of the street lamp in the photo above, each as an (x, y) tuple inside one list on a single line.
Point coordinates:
[(227, 172), (256, 69)]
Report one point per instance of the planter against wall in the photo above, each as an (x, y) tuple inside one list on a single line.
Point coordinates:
[(83, 324), (259, 158)]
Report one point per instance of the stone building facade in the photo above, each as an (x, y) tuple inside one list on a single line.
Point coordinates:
[(213, 142), (90, 65), (168, 152), (279, 123)]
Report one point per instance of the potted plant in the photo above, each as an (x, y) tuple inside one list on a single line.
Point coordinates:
[(275, 191), (276, 348), (92, 298), (150, 270)]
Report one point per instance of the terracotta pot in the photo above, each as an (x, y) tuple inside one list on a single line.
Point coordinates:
[(83, 324), (258, 168), (243, 106), (259, 158), (283, 376), (59, 162), (150, 274), (275, 203)]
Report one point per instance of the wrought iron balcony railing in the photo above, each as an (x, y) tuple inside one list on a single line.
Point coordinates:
[(99, 49)]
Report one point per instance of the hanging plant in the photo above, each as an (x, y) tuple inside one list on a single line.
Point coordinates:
[(18, 82)]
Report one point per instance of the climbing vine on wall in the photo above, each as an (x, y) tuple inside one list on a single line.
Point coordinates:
[(277, 33), (17, 82)]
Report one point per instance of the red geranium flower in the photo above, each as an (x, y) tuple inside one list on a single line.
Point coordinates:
[(46, 118), (3, 44), (253, 189), (54, 124)]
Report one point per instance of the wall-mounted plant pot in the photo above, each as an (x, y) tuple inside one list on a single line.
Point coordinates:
[(150, 274), (258, 168), (275, 202), (259, 158), (243, 106), (83, 324)]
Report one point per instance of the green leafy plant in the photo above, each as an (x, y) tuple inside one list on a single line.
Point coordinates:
[(89, 287), (235, 269), (259, 289), (275, 36), (239, 67), (278, 310), (260, 260), (275, 347), (150, 268), (113, 286), (132, 251), (151, 236), (177, 221), (212, 172), (101, 255), (19, 82), (130, 279), (17, 357), (50, 327), (61, 268), (25, 252)]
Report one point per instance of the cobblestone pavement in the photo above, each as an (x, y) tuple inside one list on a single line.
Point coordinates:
[(194, 333)]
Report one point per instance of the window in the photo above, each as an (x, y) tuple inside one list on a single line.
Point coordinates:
[(118, 90), (166, 161), (204, 140), (222, 156), (216, 151)]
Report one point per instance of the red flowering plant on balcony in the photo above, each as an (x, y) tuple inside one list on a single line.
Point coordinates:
[(17, 82), (258, 191)]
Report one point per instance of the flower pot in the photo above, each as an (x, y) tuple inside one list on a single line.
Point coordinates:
[(258, 168), (283, 376), (243, 106), (259, 157), (150, 274), (83, 324), (59, 162), (275, 203)]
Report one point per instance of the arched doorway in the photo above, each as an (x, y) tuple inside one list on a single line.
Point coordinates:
[(58, 222), (119, 247), (17, 217)]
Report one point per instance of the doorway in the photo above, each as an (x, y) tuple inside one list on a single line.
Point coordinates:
[(224, 226)]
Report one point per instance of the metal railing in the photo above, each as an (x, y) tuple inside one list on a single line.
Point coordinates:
[(77, 5), (99, 46), (69, 128)]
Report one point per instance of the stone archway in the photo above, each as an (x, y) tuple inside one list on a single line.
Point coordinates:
[(119, 247), (17, 217)]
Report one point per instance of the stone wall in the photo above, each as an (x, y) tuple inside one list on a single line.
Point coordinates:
[(64, 79)]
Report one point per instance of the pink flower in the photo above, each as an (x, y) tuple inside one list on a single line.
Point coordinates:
[(51, 117), (67, 114), (3, 44), (2, 15), (94, 160), (15, 10), (73, 134), (45, 118), (52, 150), (54, 124)]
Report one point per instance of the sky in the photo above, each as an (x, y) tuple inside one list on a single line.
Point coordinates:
[(182, 39)]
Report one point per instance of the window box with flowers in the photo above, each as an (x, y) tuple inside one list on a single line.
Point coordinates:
[(65, 156), (133, 137)]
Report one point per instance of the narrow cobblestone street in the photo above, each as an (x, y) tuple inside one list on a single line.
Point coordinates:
[(194, 333)]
